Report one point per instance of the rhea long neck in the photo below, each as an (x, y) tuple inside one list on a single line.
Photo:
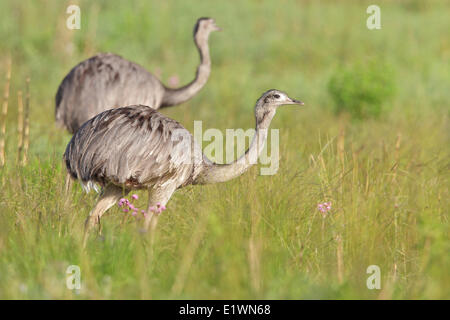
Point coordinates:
[(179, 95), (214, 172)]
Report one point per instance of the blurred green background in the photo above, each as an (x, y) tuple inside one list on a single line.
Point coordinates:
[(256, 236)]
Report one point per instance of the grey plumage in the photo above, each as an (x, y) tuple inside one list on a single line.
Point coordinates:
[(108, 81), (131, 147), (136, 147)]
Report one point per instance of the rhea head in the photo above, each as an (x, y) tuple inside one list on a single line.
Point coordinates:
[(267, 105), (203, 28)]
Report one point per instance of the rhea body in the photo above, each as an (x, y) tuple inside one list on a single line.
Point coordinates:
[(108, 81), (136, 147)]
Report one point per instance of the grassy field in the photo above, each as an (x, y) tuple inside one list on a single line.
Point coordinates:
[(255, 236)]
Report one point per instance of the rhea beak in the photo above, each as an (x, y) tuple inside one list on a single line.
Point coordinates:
[(216, 28), (294, 101)]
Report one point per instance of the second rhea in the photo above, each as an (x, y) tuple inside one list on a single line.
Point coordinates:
[(108, 81)]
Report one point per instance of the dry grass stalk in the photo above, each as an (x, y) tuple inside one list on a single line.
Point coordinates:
[(254, 250), (19, 126), (341, 148), (388, 288), (341, 155), (355, 166), (340, 258), (26, 130), (397, 156), (4, 114), (189, 255)]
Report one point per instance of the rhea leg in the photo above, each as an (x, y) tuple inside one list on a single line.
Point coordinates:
[(110, 195), (156, 196), (67, 185), (67, 188)]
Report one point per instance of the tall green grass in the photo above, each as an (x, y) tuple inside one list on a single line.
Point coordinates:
[(255, 236)]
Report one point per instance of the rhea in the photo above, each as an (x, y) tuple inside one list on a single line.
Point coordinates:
[(136, 147), (108, 81)]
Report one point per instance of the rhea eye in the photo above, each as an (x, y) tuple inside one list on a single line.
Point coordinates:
[(276, 96)]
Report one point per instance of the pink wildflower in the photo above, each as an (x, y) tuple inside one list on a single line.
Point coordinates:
[(121, 202), (160, 208), (324, 207)]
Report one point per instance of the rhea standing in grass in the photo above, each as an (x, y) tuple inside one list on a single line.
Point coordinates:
[(136, 147), (108, 81)]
